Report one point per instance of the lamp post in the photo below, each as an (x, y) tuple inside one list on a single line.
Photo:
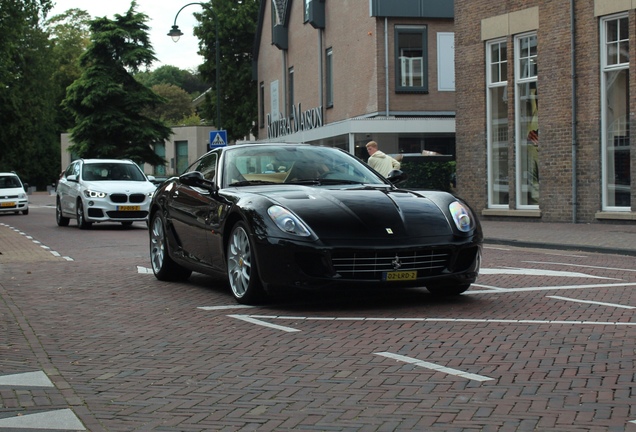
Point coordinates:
[(175, 33)]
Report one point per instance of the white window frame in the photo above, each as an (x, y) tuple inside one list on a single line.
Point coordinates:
[(519, 81), (490, 84), (605, 68)]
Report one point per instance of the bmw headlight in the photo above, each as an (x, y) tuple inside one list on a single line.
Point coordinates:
[(462, 216), (287, 221), (94, 194)]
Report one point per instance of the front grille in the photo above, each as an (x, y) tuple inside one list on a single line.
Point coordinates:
[(120, 198), (371, 265), (127, 214), (136, 198), (9, 196)]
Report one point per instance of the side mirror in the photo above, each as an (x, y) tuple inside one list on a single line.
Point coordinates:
[(196, 179), (71, 177), (396, 176)]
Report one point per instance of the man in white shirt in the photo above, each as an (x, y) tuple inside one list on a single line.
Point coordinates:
[(380, 161)]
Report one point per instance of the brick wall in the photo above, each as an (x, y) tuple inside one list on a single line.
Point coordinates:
[(555, 106)]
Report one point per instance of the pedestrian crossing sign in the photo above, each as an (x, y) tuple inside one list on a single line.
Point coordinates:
[(218, 138)]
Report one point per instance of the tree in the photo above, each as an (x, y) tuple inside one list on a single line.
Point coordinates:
[(70, 36), (28, 143), (187, 80), (178, 104), (107, 103), (237, 20)]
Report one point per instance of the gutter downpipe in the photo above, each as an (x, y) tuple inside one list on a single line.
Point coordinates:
[(320, 68), (386, 64), (574, 129)]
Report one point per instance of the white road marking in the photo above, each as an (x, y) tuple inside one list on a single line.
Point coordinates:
[(144, 270), (63, 419), (258, 319), (249, 319), (225, 307), (592, 302), (54, 253), (581, 265), (538, 272), (551, 288), (27, 379), (435, 367)]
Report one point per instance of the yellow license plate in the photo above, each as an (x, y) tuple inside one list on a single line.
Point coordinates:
[(7, 204), (399, 275), (129, 208)]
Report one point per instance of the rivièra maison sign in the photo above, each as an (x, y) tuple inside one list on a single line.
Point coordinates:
[(299, 120)]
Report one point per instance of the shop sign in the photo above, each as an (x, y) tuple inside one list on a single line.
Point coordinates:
[(299, 121)]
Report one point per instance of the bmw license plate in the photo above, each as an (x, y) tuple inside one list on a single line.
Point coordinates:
[(7, 204), (399, 275), (128, 208)]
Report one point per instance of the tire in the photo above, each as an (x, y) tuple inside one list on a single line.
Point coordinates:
[(242, 270), (447, 289), (79, 214), (127, 223), (61, 220), (25, 212), (164, 267)]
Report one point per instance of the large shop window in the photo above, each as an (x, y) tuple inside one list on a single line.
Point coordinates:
[(615, 99), (497, 113), (411, 61), (527, 122)]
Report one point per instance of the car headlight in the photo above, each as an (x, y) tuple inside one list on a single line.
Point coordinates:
[(461, 216), (94, 194), (287, 221), (22, 196)]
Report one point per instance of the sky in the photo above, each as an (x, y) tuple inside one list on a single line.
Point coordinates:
[(161, 15)]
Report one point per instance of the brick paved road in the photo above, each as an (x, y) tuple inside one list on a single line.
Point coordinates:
[(544, 341)]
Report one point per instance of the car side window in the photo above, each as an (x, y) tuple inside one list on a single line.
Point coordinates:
[(76, 170), (207, 166)]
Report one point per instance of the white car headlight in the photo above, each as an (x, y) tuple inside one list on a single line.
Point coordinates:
[(287, 221), (94, 194), (462, 216)]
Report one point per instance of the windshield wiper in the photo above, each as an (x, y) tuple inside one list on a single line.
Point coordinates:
[(317, 181), (339, 181), (251, 183)]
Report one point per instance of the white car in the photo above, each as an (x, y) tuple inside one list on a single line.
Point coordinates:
[(13, 197), (103, 190)]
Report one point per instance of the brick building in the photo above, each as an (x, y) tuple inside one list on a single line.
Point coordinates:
[(344, 72), (567, 156)]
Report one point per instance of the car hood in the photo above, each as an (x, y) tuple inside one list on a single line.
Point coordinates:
[(366, 213), (5, 192), (119, 186)]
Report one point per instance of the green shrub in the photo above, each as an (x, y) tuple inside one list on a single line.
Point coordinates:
[(425, 172)]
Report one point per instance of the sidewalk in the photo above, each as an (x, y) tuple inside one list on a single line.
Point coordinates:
[(600, 237), (603, 238)]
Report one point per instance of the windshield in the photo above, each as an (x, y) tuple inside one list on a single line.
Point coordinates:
[(112, 171), (269, 164), (9, 182)]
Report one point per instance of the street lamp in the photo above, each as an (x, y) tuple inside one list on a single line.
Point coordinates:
[(175, 33)]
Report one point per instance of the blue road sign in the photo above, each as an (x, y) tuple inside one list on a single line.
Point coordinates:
[(218, 138)]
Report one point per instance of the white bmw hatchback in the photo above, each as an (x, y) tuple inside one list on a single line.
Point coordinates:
[(13, 197), (103, 190)]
